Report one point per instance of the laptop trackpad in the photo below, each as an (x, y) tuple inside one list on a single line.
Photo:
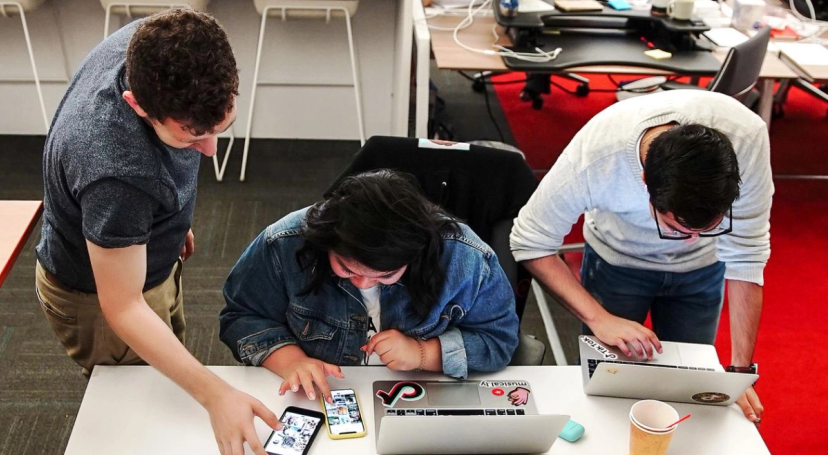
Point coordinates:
[(453, 394), (670, 356)]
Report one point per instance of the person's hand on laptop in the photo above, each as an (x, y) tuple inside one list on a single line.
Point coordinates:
[(397, 351), (305, 373), (751, 406), (625, 334)]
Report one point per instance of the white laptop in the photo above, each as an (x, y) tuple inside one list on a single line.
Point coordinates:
[(461, 417), (684, 372)]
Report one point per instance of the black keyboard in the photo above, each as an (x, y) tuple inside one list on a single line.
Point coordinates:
[(454, 412), (593, 364)]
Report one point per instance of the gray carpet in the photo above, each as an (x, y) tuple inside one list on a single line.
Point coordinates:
[(41, 389)]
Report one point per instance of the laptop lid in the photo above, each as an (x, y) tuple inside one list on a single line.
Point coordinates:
[(469, 434), (684, 372)]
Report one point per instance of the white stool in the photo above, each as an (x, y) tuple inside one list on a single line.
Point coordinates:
[(132, 8), (308, 9), (21, 7)]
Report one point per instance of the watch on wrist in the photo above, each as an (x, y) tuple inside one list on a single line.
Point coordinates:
[(753, 368)]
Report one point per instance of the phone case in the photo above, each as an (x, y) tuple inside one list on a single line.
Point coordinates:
[(300, 411), (349, 435)]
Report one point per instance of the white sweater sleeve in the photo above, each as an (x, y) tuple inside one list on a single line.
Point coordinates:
[(562, 196), (746, 250)]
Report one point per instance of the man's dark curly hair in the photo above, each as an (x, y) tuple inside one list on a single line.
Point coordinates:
[(180, 66)]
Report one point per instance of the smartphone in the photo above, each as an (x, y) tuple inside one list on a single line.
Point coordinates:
[(296, 436), (344, 417)]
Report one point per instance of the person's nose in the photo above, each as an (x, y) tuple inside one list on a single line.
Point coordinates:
[(208, 147), (362, 282)]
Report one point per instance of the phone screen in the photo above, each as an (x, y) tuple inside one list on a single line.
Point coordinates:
[(344, 415), (295, 436)]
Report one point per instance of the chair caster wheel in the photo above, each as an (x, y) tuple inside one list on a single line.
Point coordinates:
[(537, 103), (777, 111), (479, 85)]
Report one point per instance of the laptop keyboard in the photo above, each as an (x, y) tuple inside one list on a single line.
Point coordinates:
[(593, 364), (454, 412)]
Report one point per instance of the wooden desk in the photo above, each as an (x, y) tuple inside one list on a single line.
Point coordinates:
[(136, 410), (17, 219), (451, 57)]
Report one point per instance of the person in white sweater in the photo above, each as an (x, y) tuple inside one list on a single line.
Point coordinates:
[(676, 189)]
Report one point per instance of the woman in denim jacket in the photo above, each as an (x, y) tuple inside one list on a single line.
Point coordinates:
[(374, 274)]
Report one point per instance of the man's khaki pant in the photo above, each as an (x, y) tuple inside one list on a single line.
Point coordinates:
[(80, 325)]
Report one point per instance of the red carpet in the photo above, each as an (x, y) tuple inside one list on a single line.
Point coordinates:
[(793, 363)]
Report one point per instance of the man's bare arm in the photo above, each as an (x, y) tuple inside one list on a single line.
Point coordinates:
[(119, 276)]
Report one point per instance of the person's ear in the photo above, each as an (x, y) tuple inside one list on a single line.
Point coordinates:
[(644, 177), (129, 97)]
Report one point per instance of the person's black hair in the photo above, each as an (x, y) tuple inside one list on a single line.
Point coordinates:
[(382, 220), (692, 171)]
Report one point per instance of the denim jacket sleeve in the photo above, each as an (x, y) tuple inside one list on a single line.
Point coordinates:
[(253, 323), (486, 336)]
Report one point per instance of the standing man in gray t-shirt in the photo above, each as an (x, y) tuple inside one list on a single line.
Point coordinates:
[(120, 171), (676, 189)]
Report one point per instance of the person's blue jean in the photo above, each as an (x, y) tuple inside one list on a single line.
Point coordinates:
[(685, 306)]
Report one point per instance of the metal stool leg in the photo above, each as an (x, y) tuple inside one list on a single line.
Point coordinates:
[(355, 75), (253, 94), (31, 59), (220, 170), (549, 324)]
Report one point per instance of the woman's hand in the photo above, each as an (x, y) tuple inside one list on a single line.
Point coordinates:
[(397, 351), (307, 372)]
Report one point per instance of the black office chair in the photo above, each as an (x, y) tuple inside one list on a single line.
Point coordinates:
[(483, 186), (737, 76)]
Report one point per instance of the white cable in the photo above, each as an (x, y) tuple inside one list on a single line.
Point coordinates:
[(539, 56), (811, 11)]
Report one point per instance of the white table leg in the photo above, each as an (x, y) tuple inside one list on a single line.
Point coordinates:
[(766, 99)]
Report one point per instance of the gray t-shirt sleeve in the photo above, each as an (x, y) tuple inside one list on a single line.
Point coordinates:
[(116, 214)]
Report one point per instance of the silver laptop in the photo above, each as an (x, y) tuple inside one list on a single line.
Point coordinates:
[(459, 417), (684, 372)]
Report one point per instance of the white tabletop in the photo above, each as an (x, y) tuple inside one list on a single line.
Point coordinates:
[(136, 410)]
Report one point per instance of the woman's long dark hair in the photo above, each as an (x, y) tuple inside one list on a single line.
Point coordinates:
[(381, 220)]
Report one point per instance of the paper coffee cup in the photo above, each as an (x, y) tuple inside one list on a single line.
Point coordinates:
[(649, 431)]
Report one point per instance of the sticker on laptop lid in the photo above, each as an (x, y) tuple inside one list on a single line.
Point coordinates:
[(599, 348), (407, 390), (503, 384), (438, 144), (519, 396), (710, 397)]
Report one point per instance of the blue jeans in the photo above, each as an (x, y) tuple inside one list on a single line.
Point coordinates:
[(684, 307)]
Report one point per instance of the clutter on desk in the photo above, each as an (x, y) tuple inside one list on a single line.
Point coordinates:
[(725, 37), (578, 5), (658, 54), (810, 59)]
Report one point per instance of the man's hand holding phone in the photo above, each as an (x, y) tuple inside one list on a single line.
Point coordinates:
[(307, 372), (231, 415)]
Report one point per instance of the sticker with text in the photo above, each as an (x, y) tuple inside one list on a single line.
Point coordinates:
[(503, 384), (519, 396), (711, 397), (599, 348), (408, 391)]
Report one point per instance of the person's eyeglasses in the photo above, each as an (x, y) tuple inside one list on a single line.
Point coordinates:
[(721, 229)]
